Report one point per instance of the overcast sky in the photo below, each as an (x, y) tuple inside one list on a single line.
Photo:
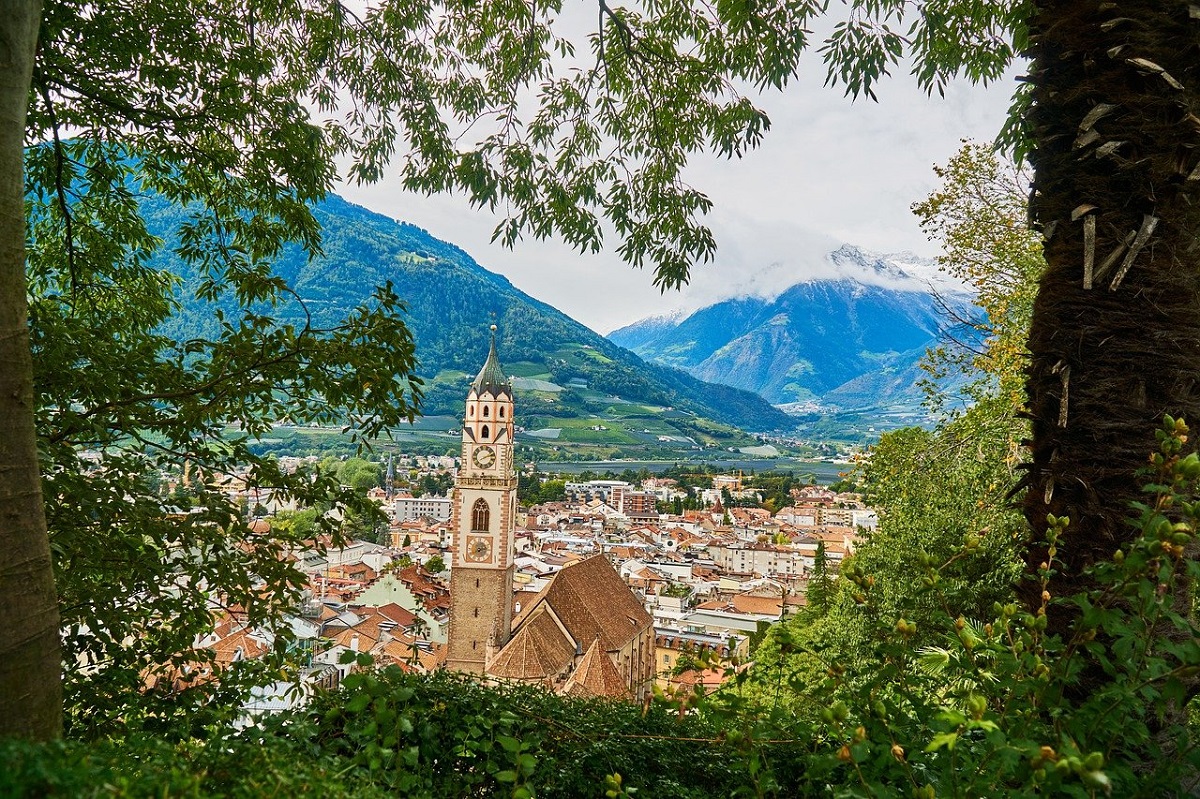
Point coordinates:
[(829, 171)]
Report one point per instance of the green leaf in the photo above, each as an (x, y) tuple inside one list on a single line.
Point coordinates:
[(946, 739)]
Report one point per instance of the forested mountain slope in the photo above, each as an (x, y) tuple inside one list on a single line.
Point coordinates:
[(451, 300)]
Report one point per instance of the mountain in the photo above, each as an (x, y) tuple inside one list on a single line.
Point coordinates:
[(450, 302), (850, 339)]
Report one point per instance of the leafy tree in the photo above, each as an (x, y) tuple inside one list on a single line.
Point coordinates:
[(941, 494), (845, 485), (361, 475), (552, 491), (435, 484), (435, 565), (678, 590), (206, 107), (366, 525), (936, 489), (686, 661), (301, 524), (160, 113), (534, 489), (819, 593), (978, 216)]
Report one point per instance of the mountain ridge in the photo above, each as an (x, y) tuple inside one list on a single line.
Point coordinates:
[(820, 341), (450, 300)]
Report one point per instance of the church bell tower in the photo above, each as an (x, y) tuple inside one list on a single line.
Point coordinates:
[(482, 519)]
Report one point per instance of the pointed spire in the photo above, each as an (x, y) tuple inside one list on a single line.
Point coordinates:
[(491, 377)]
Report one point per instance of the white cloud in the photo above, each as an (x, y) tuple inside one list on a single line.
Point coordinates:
[(829, 171)]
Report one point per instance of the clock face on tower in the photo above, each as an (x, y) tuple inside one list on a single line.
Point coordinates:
[(478, 549), (484, 457)]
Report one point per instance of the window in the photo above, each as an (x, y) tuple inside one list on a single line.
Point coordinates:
[(486, 411), (501, 411), (480, 516), (484, 433), (477, 613), (470, 410)]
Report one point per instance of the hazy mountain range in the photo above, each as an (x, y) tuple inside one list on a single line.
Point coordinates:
[(849, 339)]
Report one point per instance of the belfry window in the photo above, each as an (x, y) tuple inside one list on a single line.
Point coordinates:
[(470, 410), (484, 432), (480, 515), (501, 411), (486, 411)]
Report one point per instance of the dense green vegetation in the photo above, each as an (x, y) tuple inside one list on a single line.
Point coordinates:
[(390, 734), (927, 704), (232, 116)]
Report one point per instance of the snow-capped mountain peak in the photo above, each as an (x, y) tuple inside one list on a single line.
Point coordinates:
[(898, 272)]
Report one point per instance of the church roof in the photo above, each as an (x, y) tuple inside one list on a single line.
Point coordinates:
[(538, 650), (592, 601), (491, 377), (586, 603), (596, 675)]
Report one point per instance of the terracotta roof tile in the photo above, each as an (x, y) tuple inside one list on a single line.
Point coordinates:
[(597, 675), (393, 612), (539, 650), (592, 601), (227, 649)]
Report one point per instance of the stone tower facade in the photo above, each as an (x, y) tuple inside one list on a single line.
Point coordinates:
[(482, 519)]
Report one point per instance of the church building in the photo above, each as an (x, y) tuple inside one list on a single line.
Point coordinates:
[(586, 633)]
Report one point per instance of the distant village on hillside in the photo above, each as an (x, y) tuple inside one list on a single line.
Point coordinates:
[(598, 593), (710, 579)]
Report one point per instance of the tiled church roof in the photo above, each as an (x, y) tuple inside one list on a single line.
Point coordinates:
[(539, 650), (591, 602), (597, 675)]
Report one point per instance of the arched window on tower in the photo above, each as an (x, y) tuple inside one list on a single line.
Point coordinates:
[(486, 412), (470, 410), (480, 516), (501, 411), (484, 432)]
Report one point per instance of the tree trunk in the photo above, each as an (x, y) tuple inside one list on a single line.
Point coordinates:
[(1115, 336), (30, 663)]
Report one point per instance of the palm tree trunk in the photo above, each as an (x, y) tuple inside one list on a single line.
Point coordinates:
[(30, 665), (1115, 337)]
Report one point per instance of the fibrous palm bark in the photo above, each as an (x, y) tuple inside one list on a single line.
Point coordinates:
[(1115, 338)]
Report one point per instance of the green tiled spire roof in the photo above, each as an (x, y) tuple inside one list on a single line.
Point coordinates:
[(491, 377)]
